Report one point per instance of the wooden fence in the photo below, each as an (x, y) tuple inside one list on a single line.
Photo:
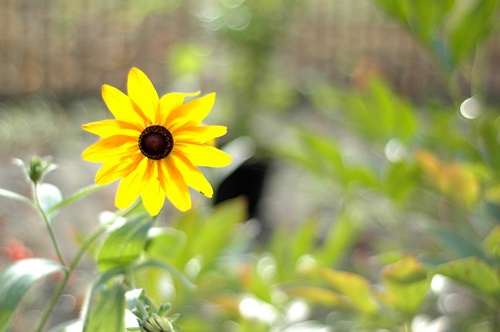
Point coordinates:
[(65, 48)]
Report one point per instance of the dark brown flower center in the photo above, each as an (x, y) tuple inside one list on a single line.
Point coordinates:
[(156, 142)]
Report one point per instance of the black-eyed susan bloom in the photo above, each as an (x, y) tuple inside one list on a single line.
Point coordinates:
[(154, 145)]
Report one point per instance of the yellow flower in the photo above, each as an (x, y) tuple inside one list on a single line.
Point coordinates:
[(155, 145)]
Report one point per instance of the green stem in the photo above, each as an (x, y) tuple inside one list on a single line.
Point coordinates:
[(45, 218), (74, 263), (53, 301), (67, 275)]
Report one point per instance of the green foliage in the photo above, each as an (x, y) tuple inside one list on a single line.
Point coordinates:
[(456, 245), (124, 244), (107, 313), (450, 29), (474, 273), (491, 243), (16, 280), (355, 287), (406, 283)]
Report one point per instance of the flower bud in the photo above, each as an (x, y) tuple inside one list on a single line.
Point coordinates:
[(36, 168)]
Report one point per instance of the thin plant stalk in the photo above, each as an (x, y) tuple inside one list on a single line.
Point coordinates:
[(46, 220), (74, 263)]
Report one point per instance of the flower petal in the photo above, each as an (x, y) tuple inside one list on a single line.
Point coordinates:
[(193, 176), (191, 113), (116, 169), (110, 148), (143, 94), (153, 196), (203, 155), (169, 102), (120, 106), (106, 128), (132, 185), (200, 134), (173, 184)]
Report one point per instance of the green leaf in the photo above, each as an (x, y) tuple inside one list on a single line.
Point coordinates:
[(99, 285), (321, 155), (338, 239), (108, 310), (399, 180), (15, 281), (168, 268), (472, 28), (215, 232), (76, 196), (124, 244), (207, 236), (474, 273), (49, 196), (425, 20), (406, 283), (303, 239), (165, 243), (491, 243), (354, 286), (15, 196), (456, 244), (317, 295)]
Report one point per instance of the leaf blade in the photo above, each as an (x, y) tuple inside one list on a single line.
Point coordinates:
[(16, 280)]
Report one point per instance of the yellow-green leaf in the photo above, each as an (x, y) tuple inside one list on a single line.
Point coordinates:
[(317, 295), (124, 244), (406, 283), (491, 243), (473, 273), (353, 286)]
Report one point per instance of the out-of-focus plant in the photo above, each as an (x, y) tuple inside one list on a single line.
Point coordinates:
[(423, 180)]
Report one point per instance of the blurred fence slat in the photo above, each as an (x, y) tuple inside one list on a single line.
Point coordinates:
[(69, 48)]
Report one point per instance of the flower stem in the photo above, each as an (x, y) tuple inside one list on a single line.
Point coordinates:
[(68, 274), (74, 263), (45, 218)]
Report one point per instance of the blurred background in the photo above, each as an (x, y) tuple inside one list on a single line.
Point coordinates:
[(377, 119)]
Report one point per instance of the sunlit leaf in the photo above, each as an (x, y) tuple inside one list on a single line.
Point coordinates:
[(15, 281), (15, 196), (354, 286), (303, 239), (474, 273), (124, 244), (49, 196), (228, 303), (393, 117), (207, 236), (471, 28), (491, 243), (258, 278), (399, 181), (164, 243), (338, 239), (317, 295), (108, 310), (406, 283)]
